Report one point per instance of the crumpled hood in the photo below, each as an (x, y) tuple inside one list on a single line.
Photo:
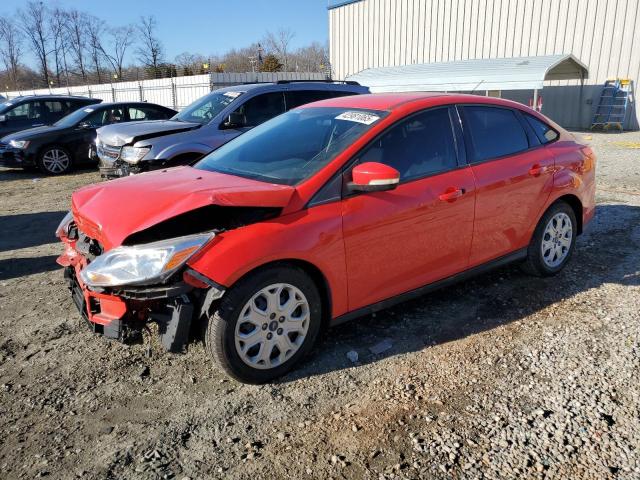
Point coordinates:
[(111, 211), (130, 132)]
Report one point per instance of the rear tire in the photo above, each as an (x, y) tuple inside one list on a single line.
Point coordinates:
[(265, 324), (55, 160), (553, 241)]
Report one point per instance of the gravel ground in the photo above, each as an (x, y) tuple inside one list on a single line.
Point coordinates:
[(505, 376)]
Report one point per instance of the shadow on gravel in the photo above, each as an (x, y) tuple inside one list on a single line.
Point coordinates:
[(28, 229), (609, 252), (19, 267)]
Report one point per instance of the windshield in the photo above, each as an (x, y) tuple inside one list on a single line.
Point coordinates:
[(291, 147), (207, 107), (74, 118)]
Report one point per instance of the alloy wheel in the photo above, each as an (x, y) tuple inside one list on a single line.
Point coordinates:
[(272, 326), (556, 239), (56, 161)]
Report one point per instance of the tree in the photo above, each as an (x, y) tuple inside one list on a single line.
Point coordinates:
[(271, 64), (76, 30), (34, 24), (10, 49), (95, 29), (313, 58), (151, 52), (121, 39), (278, 43), (59, 39)]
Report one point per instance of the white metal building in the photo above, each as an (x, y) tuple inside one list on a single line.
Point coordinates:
[(602, 34)]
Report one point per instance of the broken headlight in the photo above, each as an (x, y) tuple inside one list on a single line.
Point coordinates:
[(63, 228), (142, 264), (133, 154)]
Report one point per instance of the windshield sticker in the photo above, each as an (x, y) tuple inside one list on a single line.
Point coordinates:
[(232, 94), (88, 110), (359, 117)]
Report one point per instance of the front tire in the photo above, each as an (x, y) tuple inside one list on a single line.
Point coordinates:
[(265, 324), (553, 241), (55, 160)]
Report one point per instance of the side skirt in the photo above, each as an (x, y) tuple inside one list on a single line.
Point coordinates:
[(418, 292)]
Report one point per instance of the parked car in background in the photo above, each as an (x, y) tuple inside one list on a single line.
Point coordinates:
[(34, 111), (330, 211), (206, 124), (57, 148)]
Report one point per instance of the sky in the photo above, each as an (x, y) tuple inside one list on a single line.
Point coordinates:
[(207, 27)]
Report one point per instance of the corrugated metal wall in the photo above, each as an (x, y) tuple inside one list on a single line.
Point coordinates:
[(601, 33)]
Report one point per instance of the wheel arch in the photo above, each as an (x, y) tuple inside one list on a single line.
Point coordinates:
[(316, 275), (576, 205)]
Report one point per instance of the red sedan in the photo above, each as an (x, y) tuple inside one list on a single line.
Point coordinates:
[(328, 212)]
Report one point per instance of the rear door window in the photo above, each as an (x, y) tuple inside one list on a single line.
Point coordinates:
[(543, 131), (295, 98), (421, 145), (261, 108), (494, 132)]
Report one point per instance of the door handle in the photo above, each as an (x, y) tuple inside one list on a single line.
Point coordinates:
[(451, 194), (537, 170)]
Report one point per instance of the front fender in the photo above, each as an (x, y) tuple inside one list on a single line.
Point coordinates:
[(313, 236)]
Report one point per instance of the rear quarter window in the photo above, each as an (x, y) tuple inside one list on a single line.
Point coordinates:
[(494, 132), (543, 131)]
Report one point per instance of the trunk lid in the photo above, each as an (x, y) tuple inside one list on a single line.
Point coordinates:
[(111, 211)]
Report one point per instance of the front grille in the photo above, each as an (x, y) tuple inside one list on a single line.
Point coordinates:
[(108, 153)]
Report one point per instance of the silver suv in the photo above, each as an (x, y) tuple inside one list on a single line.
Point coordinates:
[(206, 124)]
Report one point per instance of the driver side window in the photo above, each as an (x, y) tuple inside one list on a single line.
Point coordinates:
[(261, 108), (106, 117), (26, 111), (421, 145)]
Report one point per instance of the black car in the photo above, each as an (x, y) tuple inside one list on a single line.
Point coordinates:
[(57, 148), (34, 111)]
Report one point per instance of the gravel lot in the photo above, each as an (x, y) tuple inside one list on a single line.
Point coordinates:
[(504, 376)]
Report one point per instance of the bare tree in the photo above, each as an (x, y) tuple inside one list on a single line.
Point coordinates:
[(190, 64), (59, 39), (95, 29), (10, 49), (34, 24), (76, 29), (151, 51), (121, 39), (313, 58), (278, 44)]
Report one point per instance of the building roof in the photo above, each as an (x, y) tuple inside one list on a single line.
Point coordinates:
[(516, 73)]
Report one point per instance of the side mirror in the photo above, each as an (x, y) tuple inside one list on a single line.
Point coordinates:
[(234, 120), (84, 125), (373, 177), (3, 118)]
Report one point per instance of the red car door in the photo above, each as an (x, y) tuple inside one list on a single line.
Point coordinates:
[(513, 176), (401, 239)]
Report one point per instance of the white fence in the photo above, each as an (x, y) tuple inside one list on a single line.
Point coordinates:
[(175, 93)]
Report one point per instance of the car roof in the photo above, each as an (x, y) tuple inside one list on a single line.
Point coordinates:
[(292, 85), (53, 97), (390, 101), (117, 104)]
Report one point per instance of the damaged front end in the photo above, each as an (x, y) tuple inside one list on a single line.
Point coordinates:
[(128, 243), (118, 292)]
